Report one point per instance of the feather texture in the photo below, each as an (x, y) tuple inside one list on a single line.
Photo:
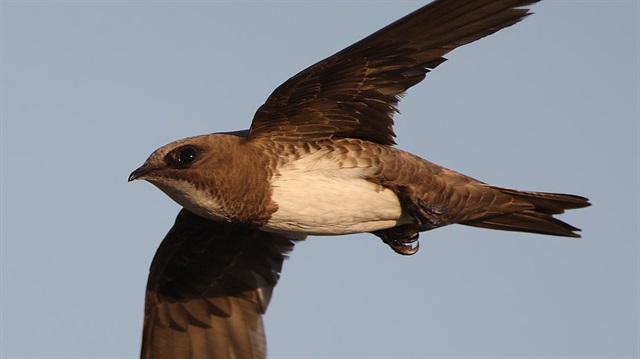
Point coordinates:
[(355, 92), (209, 285)]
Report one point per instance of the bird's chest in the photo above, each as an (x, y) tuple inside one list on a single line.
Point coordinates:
[(322, 196)]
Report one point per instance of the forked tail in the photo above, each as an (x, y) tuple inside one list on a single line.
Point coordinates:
[(538, 219)]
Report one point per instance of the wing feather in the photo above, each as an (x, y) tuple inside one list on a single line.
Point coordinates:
[(355, 92), (209, 285)]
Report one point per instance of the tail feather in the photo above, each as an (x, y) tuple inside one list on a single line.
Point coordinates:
[(538, 219), (551, 203), (528, 221)]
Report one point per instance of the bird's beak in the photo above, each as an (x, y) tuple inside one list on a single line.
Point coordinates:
[(140, 172)]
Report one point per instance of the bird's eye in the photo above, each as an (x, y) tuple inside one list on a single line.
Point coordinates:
[(187, 155)]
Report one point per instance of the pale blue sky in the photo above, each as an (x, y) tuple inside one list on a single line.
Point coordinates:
[(90, 88)]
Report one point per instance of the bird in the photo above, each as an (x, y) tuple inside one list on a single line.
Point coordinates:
[(319, 158)]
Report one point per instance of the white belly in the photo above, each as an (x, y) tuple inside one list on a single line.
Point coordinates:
[(332, 201)]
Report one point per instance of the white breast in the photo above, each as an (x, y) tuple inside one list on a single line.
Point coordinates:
[(316, 195)]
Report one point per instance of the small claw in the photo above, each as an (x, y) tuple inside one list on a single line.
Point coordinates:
[(406, 249), (401, 239), (407, 240)]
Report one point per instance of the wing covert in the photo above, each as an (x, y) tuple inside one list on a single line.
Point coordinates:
[(355, 92)]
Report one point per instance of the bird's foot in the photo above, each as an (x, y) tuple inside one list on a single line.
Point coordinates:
[(403, 240), (406, 249)]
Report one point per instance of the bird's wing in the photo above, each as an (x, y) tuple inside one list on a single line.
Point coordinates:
[(354, 93), (208, 287)]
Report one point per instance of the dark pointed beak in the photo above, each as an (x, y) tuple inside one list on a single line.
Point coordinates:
[(139, 172)]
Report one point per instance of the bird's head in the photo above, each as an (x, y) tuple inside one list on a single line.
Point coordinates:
[(189, 171)]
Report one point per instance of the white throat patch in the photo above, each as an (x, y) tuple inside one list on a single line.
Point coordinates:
[(193, 199)]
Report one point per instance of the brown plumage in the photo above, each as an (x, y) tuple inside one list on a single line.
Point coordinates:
[(354, 93), (442, 197), (317, 159), (209, 285)]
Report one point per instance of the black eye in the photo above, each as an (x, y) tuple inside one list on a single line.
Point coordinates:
[(187, 155)]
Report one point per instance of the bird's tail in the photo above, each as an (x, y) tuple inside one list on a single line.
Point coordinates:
[(539, 218)]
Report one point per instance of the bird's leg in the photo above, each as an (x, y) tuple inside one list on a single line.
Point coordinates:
[(402, 239)]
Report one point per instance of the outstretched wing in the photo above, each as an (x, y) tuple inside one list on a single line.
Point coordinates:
[(354, 93), (209, 285)]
